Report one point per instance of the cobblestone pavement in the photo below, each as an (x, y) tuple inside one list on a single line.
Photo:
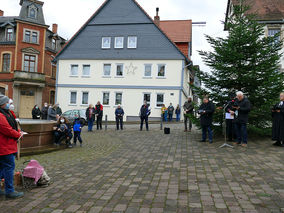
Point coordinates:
[(133, 171)]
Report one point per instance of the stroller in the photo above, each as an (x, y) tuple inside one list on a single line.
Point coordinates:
[(34, 175)]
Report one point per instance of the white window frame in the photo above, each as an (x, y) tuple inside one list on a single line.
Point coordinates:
[(106, 47), (54, 44), (147, 93), (158, 66), (71, 75), (31, 33), (6, 34), (157, 100), (82, 93), (86, 76), (29, 11), (115, 44), (115, 104), (119, 76), (128, 40), (145, 65), (36, 61), (275, 29), (107, 76), (103, 98), (70, 95)]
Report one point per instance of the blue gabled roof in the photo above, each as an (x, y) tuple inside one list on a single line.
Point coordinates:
[(120, 18)]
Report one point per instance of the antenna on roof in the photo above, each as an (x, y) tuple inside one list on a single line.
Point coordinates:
[(199, 24)]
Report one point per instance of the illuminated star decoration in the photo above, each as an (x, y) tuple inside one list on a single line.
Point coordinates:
[(131, 69)]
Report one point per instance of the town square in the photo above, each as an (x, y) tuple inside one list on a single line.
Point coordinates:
[(142, 106)]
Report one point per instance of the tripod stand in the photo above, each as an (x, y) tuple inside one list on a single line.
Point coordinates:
[(225, 127)]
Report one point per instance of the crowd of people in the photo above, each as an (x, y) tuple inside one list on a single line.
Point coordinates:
[(168, 112), (48, 112)]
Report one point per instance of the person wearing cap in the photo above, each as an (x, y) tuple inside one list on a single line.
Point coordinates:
[(119, 113), (9, 135)]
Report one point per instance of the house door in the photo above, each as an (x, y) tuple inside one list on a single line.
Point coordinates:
[(2, 91), (27, 102)]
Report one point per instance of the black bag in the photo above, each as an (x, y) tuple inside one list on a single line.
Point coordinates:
[(167, 131)]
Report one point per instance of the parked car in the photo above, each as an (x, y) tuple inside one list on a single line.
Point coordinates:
[(70, 114)]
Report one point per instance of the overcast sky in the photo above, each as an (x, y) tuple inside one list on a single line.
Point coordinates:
[(70, 15)]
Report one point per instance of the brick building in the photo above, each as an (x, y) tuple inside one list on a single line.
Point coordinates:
[(27, 48)]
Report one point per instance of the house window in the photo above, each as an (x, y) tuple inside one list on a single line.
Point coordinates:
[(27, 36), (34, 37), (53, 71), (6, 62), (52, 97), (147, 98), (273, 32), (106, 98), (9, 34), (148, 70), (160, 100), (2, 91), (31, 36), (119, 70), (118, 42), (29, 63), (132, 42), (73, 98), (86, 70), (106, 42), (161, 70), (74, 70), (118, 98), (85, 98), (53, 44), (107, 69), (32, 12)]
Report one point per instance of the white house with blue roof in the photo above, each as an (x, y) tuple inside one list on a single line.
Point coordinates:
[(120, 56)]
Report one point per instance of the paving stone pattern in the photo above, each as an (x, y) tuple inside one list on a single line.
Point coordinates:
[(132, 171)]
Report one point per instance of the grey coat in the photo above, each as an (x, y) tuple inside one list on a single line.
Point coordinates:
[(188, 107), (51, 114)]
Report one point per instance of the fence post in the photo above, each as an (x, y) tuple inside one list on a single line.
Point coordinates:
[(106, 123)]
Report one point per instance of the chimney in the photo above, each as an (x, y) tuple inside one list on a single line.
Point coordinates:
[(54, 28), (1, 13), (157, 17)]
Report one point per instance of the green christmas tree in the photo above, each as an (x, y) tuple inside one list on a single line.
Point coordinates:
[(246, 60)]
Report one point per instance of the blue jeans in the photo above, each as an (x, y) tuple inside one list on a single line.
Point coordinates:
[(90, 124), (241, 132), (170, 117), (7, 167), (77, 135), (178, 117), (204, 133)]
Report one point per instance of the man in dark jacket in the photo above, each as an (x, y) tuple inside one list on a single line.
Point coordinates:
[(242, 109), (58, 109), (230, 116), (119, 113), (278, 122), (9, 134), (188, 110), (171, 110), (44, 111), (90, 116), (206, 111), (99, 115), (51, 113), (144, 114)]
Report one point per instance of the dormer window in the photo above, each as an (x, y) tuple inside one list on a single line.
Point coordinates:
[(32, 12), (53, 43), (9, 34)]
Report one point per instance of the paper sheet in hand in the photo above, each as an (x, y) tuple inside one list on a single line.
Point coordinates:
[(229, 116)]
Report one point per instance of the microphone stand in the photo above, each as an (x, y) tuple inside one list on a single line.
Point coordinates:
[(225, 125)]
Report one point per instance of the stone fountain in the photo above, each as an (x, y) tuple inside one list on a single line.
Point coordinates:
[(39, 138)]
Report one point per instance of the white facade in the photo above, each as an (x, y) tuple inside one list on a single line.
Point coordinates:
[(91, 79)]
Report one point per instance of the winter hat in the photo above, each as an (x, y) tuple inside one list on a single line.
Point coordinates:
[(3, 100)]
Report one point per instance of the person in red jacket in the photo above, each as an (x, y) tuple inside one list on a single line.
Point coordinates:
[(9, 134)]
